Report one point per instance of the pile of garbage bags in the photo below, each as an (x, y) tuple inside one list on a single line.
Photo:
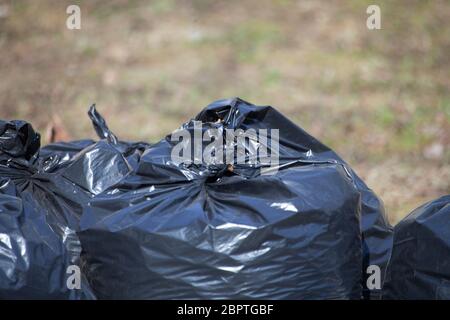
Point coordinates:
[(135, 222)]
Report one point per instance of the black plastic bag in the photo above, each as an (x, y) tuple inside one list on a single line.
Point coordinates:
[(36, 250), (420, 264), (170, 230), (41, 205), (155, 229), (39, 214)]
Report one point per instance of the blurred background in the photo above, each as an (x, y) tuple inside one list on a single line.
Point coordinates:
[(380, 98)]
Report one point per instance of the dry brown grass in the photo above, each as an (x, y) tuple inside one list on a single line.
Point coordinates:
[(379, 98)]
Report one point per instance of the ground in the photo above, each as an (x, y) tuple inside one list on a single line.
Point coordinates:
[(380, 98)]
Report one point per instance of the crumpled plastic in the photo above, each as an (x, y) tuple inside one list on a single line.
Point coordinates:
[(150, 228), (177, 231), (36, 241), (41, 205), (419, 268)]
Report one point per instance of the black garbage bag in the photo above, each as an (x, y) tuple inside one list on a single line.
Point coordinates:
[(171, 230), (38, 219), (40, 209), (40, 206), (36, 250), (57, 155), (420, 264)]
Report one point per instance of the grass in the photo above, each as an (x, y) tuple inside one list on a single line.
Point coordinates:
[(379, 98)]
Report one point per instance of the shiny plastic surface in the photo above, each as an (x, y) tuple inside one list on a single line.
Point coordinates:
[(201, 231), (39, 214), (420, 264), (150, 228)]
